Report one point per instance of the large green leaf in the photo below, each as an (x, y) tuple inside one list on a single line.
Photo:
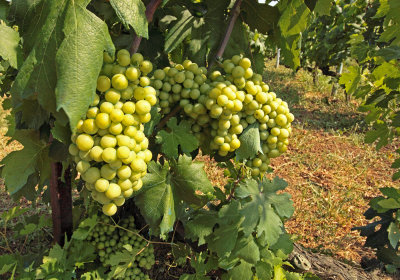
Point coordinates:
[(86, 37), (263, 211), (132, 13), (156, 201), (18, 165), (179, 136), (42, 37), (294, 18), (224, 237), (9, 48), (190, 182)]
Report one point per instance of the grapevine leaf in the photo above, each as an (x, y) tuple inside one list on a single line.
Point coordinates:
[(323, 7), (204, 263), (181, 29), (389, 203), (180, 135), (224, 238), (28, 229), (201, 226), (156, 201), (61, 132), (259, 16), (13, 213), (241, 272), (33, 115), (264, 270), (38, 74), (190, 182), (85, 227), (394, 234), (18, 165), (86, 37), (379, 131), (246, 249), (267, 204), (284, 243), (249, 143), (259, 63), (391, 192), (294, 18), (389, 53), (351, 79), (122, 257), (290, 50), (7, 262), (132, 12), (151, 125), (9, 48)]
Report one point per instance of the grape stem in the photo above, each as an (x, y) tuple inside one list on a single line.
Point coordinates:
[(150, 10), (228, 32), (164, 121), (235, 184)]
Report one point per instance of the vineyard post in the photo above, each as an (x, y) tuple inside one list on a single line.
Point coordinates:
[(278, 57), (334, 87)]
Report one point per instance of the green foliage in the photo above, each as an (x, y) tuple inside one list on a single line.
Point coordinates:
[(166, 187), (132, 13), (32, 159), (10, 49), (326, 40), (179, 136), (384, 233), (250, 143)]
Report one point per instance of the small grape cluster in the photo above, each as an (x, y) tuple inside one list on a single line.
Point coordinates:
[(184, 85), (110, 147), (108, 240)]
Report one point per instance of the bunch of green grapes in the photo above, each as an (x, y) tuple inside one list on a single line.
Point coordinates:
[(108, 240), (184, 85), (110, 147), (240, 98)]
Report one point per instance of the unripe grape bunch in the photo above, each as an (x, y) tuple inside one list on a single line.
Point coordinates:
[(240, 98), (109, 147), (184, 85), (109, 240)]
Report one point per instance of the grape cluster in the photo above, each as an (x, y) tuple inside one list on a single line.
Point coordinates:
[(110, 147), (240, 98), (184, 85), (108, 240)]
